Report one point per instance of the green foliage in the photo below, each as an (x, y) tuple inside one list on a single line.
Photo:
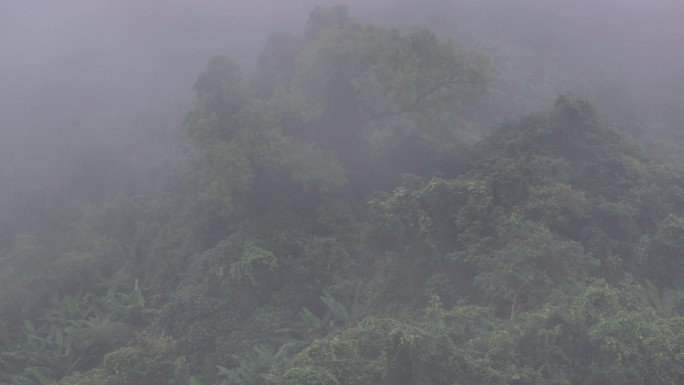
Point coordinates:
[(327, 223), (219, 97), (525, 264), (603, 336), (385, 351), (383, 92), (607, 336), (151, 360), (664, 248), (335, 307), (337, 316), (227, 176), (76, 338), (340, 93), (389, 72), (253, 368), (253, 258)]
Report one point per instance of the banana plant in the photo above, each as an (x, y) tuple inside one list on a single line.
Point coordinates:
[(74, 336), (253, 368)]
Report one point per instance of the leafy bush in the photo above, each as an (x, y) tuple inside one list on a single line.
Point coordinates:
[(150, 360)]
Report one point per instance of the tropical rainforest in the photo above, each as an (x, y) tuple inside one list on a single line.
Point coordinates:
[(346, 211)]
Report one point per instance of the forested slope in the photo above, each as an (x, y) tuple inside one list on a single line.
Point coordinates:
[(330, 220)]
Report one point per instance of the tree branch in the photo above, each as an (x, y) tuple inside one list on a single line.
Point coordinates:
[(451, 81)]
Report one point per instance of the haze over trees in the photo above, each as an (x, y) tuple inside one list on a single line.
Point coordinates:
[(365, 201)]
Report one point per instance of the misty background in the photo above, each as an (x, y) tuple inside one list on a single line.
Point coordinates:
[(83, 82), (337, 202)]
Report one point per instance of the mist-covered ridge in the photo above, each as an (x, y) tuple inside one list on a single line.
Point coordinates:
[(384, 192)]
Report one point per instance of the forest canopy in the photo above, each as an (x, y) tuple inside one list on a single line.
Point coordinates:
[(330, 218)]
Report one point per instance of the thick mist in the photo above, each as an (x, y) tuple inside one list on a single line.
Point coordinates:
[(219, 192), (74, 72), (81, 78), (622, 55)]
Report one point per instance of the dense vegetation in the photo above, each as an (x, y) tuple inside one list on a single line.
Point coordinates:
[(330, 219)]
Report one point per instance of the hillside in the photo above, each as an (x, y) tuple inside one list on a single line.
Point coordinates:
[(330, 219)]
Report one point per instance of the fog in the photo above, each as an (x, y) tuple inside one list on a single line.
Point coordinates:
[(79, 68), (349, 198), (80, 74)]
